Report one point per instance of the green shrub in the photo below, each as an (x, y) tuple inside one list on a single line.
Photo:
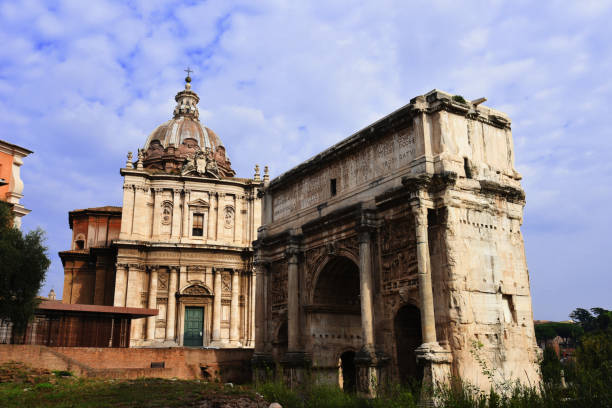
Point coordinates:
[(276, 391), (551, 366), (459, 99), (43, 386)]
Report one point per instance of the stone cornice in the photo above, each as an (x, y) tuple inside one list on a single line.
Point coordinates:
[(165, 246), (510, 193), (13, 149), (234, 181)]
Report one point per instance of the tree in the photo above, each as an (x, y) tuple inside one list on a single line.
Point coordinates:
[(595, 320), (23, 265)]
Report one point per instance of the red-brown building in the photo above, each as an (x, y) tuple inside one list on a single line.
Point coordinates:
[(89, 266), (11, 186)]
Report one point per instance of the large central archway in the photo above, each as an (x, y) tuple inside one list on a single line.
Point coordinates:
[(335, 321)]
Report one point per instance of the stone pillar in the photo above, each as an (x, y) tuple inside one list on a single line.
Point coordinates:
[(293, 300), (220, 224), (152, 304), (261, 362), (295, 360), (428, 321), (365, 283), (212, 218), (185, 227), (133, 299), (171, 311), (436, 360), (140, 209), (216, 323), (235, 310), (176, 215), (252, 301), (120, 285), (369, 361), (127, 212), (260, 270), (157, 208)]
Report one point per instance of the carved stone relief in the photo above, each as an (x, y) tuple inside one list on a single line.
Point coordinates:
[(196, 290), (226, 283), (162, 280), (278, 284), (229, 217), (398, 247)]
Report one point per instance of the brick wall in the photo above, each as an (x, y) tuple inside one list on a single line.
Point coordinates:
[(227, 365)]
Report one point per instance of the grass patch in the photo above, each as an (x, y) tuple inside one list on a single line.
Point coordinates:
[(90, 393)]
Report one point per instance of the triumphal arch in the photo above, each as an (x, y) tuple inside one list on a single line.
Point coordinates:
[(397, 254)]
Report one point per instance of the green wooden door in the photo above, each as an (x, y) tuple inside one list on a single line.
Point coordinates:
[(194, 319)]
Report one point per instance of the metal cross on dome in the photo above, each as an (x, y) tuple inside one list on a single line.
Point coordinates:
[(188, 71)]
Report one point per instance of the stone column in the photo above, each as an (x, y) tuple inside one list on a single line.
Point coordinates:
[(133, 298), (140, 209), (157, 212), (365, 283), (293, 300), (252, 300), (238, 205), (436, 360), (152, 302), (428, 321), (120, 285), (176, 215), (186, 226), (216, 323), (260, 270), (171, 311), (235, 310)]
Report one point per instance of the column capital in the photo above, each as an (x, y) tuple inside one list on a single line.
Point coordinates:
[(260, 262), (367, 224), (292, 253), (416, 184), (152, 267), (158, 190), (121, 265)]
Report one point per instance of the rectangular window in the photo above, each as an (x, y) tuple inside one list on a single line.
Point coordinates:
[(332, 187), (198, 225)]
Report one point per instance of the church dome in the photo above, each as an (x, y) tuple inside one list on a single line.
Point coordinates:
[(175, 143)]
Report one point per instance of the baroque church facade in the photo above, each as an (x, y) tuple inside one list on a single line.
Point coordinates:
[(181, 243)]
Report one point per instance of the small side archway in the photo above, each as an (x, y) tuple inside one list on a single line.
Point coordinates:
[(408, 337)]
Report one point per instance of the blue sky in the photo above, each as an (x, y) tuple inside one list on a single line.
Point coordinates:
[(84, 82)]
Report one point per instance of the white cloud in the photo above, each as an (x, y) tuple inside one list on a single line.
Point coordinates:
[(83, 83)]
